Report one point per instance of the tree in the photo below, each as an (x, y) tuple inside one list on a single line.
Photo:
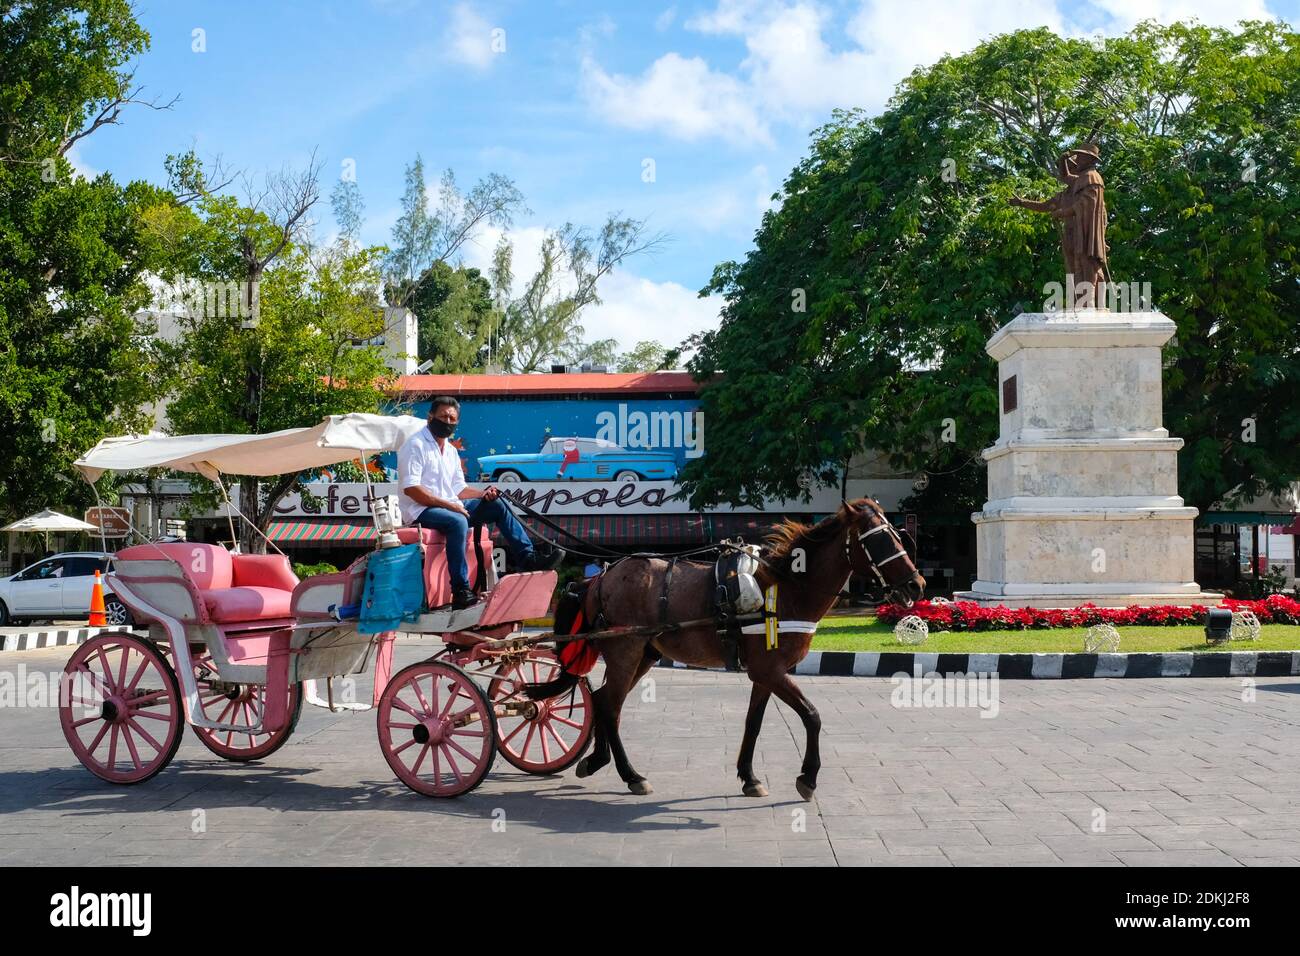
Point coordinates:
[(349, 209), (456, 314), (315, 307), (544, 321), (860, 317), (647, 356), (290, 351), (62, 74), (75, 362), (423, 236)]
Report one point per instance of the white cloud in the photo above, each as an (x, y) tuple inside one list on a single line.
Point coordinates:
[(469, 37), (896, 45), (680, 95), (1223, 13), (634, 308), (801, 61), (79, 164), (665, 19), (791, 72)]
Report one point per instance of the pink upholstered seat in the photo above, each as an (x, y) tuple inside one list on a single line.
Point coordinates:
[(262, 583), (437, 581), (232, 605)]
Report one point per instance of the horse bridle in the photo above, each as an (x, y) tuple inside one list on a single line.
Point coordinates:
[(865, 540)]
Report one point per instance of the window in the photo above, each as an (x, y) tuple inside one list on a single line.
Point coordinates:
[(44, 571), (85, 567)]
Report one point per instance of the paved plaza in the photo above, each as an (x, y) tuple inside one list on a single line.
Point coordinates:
[(1099, 772)]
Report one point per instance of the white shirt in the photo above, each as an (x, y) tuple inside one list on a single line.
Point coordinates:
[(421, 463)]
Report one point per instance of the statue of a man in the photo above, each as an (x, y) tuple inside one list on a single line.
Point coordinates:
[(1081, 208)]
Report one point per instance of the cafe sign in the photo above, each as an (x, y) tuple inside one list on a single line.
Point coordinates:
[(348, 499)]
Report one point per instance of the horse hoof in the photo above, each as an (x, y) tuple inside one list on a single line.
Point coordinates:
[(584, 768), (755, 790), (804, 789), (641, 787)]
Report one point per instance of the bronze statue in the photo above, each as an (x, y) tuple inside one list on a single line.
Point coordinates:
[(1081, 207)]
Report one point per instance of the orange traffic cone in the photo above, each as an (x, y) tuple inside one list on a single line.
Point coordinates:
[(97, 616)]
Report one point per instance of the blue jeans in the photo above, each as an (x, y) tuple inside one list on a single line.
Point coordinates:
[(455, 528)]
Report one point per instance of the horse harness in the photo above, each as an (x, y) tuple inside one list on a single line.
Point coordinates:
[(865, 541), (739, 608)]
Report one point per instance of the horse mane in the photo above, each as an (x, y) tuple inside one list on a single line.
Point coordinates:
[(788, 534)]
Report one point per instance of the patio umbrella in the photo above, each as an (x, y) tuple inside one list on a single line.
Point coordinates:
[(43, 522)]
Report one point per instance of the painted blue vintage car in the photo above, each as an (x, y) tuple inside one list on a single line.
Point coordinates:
[(579, 459)]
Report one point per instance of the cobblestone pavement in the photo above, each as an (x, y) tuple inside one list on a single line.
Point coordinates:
[(1097, 772)]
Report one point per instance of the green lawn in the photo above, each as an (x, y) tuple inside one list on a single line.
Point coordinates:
[(868, 634)]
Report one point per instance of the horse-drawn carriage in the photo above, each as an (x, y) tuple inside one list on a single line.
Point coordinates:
[(237, 644)]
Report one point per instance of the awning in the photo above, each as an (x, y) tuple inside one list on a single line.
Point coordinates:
[(1247, 518), (321, 531)]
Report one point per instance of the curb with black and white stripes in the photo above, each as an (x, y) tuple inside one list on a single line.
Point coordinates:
[(33, 640), (1044, 666), (889, 663)]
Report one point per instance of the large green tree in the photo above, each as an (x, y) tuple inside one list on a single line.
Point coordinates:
[(456, 314), (860, 317), (75, 362)]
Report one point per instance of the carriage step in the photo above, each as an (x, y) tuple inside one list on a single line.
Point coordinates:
[(518, 597)]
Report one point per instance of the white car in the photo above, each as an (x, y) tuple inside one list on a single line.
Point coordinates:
[(59, 587)]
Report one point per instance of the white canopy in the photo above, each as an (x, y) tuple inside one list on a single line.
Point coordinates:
[(338, 438), (49, 520)]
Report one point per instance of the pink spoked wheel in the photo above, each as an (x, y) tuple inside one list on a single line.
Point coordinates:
[(436, 729), (239, 705), (542, 736), (120, 707)]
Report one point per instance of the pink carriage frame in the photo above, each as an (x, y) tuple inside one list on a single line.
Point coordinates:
[(260, 651), (298, 636)]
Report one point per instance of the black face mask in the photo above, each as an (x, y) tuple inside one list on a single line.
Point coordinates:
[(440, 429)]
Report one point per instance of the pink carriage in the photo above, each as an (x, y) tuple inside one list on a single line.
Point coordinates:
[(237, 643)]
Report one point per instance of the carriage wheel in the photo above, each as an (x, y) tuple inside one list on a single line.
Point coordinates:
[(436, 729), (553, 734), (240, 705), (120, 708)]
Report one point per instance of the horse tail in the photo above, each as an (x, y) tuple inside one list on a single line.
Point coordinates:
[(553, 688), (577, 658)]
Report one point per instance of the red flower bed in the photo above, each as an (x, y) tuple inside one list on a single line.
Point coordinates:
[(969, 616)]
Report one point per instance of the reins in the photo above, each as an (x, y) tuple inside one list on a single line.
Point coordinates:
[(599, 551)]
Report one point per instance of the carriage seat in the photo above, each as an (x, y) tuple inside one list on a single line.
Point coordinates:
[(235, 588), (437, 582)]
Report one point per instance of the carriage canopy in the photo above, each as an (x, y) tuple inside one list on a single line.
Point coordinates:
[(338, 438)]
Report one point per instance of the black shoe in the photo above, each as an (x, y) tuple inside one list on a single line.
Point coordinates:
[(462, 598), (536, 561)]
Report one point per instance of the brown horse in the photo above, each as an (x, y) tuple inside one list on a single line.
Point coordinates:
[(810, 565)]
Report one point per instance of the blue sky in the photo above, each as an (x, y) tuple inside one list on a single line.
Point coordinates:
[(720, 94)]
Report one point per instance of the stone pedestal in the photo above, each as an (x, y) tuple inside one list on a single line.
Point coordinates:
[(1083, 479)]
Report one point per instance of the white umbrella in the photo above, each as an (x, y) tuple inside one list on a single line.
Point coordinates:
[(43, 522), (49, 520)]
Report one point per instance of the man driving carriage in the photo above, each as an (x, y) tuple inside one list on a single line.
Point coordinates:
[(435, 495)]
